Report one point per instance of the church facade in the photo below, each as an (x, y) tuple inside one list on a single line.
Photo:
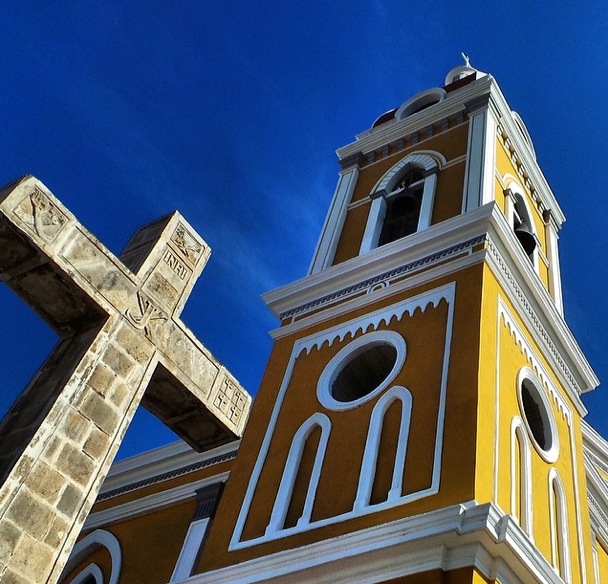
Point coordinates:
[(420, 419)]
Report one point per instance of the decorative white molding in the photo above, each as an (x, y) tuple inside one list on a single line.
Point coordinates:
[(564, 409), (431, 162), (372, 446), (481, 156), (524, 131), (466, 535), (361, 324), (327, 377), (427, 98), (87, 545), (560, 541), (555, 278), (190, 548), (161, 464), (545, 411), (294, 458), (520, 444), (150, 503), (535, 306), (330, 234), (91, 571)]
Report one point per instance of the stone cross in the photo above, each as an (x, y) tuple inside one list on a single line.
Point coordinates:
[(122, 344)]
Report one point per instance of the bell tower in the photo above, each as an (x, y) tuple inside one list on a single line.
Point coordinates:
[(418, 417)]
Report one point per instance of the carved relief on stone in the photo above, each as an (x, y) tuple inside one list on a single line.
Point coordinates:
[(41, 215), (148, 312), (230, 401), (176, 265), (187, 244)]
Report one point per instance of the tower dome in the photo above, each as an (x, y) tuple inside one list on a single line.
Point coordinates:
[(462, 71)]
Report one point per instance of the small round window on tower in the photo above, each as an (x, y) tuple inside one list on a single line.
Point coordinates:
[(364, 372), (361, 370), (538, 418)]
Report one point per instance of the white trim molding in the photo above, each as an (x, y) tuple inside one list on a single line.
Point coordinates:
[(431, 163), (335, 365), (523, 480), (87, 545), (481, 154), (294, 459), (91, 571), (154, 502), (560, 540), (464, 535), (368, 322), (372, 447), (190, 548), (549, 425), (332, 228)]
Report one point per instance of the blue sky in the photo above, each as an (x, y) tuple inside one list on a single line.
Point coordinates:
[(231, 112)]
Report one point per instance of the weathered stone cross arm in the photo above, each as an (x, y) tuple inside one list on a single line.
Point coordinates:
[(122, 343)]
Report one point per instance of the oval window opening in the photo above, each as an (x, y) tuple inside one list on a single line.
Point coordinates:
[(364, 372), (535, 414)]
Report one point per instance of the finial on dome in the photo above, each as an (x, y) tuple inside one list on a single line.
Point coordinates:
[(463, 71)]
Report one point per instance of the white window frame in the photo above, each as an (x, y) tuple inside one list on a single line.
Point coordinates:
[(90, 543), (372, 446), (520, 443), (294, 458), (560, 540), (515, 192), (384, 191), (92, 570), (551, 454), (324, 386)]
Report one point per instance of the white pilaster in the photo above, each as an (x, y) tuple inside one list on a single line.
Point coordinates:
[(328, 242), (555, 279), (481, 157)]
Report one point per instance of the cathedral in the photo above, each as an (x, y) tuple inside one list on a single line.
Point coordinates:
[(420, 417)]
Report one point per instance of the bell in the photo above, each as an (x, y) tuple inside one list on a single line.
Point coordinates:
[(526, 237)]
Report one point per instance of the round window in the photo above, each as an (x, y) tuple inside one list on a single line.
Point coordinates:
[(361, 370), (537, 416)]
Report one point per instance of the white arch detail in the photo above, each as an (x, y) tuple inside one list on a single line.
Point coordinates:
[(87, 545), (518, 193), (92, 570), (521, 442), (294, 458), (560, 540), (430, 162), (372, 445)]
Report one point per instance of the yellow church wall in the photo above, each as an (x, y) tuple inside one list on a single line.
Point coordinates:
[(507, 170), (502, 352), (339, 478), (150, 545), (451, 144)]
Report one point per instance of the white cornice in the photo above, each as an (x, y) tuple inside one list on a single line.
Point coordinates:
[(454, 537), (451, 105), (597, 498), (364, 279), (383, 259), (594, 444), (537, 308), (159, 462), (454, 103), (151, 503)]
